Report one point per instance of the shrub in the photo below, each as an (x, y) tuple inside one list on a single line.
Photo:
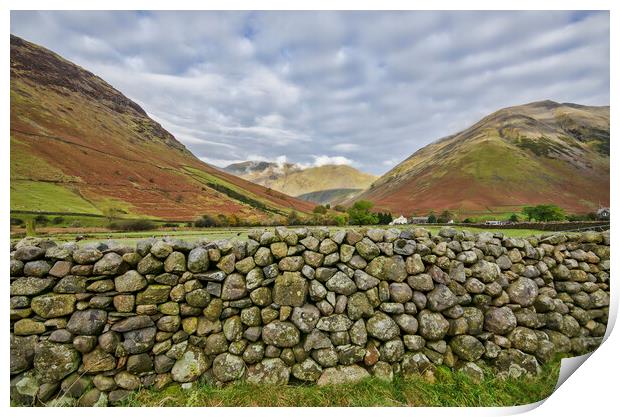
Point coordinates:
[(41, 219), (16, 222), (544, 213), (341, 219), (293, 219), (320, 209), (205, 221), (58, 220), (581, 217), (445, 217), (133, 225), (385, 218), (360, 213)]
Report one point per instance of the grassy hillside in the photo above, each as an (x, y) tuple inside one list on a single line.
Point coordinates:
[(79, 145), (333, 196), (542, 152)]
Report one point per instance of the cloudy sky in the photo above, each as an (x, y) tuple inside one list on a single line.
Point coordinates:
[(365, 88)]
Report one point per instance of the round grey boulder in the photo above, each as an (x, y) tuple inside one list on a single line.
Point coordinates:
[(432, 326), (305, 317), (382, 327), (190, 366), (281, 334), (523, 292), (228, 367), (500, 320), (308, 370), (271, 371), (441, 298), (198, 260), (467, 347), (110, 264), (87, 322)]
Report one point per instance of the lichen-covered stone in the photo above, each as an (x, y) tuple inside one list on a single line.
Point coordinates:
[(290, 289), (37, 268), (234, 287), (388, 268), (98, 361), (53, 305), (343, 375), (175, 263), (281, 334), (30, 285), (268, 372), (500, 320), (87, 322), (382, 327), (153, 294), (198, 260), (432, 325), (523, 292), (340, 283), (86, 256), (110, 264), (190, 366), (467, 347), (130, 281), (54, 361), (308, 370), (441, 298), (228, 367), (305, 317)]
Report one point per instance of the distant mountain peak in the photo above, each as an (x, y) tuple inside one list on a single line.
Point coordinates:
[(298, 180)]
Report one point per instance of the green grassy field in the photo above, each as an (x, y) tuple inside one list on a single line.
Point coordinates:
[(449, 389), (216, 233), (45, 196)]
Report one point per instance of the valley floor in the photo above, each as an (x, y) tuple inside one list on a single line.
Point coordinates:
[(97, 234), (449, 389)]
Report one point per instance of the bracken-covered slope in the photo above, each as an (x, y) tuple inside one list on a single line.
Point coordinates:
[(79, 145), (297, 181), (542, 152)]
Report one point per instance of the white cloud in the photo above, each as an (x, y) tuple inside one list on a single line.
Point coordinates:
[(374, 86), (331, 160)]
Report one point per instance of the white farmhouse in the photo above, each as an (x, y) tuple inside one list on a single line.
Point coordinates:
[(399, 220)]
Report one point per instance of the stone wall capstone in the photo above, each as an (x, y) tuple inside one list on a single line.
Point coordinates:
[(91, 324)]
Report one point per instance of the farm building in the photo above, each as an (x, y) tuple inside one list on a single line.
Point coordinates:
[(399, 220), (494, 222), (603, 213), (418, 220)]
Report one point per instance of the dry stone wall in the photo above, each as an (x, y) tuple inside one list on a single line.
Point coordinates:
[(92, 324)]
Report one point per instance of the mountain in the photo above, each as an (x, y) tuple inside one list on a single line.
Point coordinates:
[(542, 152), (79, 145), (332, 196), (322, 184)]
